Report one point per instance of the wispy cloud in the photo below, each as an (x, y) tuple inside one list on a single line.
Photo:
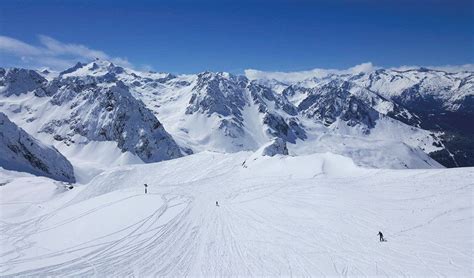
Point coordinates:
[(52, 53)]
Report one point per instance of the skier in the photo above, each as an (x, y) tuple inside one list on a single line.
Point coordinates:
[(217, 203), (381, 236), (146, 186)]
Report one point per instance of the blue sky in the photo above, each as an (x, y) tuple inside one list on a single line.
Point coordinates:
[(192, 36)]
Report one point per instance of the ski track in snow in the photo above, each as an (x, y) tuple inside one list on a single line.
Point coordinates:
[(264, 225)]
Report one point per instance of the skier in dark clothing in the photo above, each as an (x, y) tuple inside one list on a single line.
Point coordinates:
[(217, 203), (146, 188), (381, 236)]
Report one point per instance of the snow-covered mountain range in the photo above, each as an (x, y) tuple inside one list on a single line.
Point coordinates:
[(384, 118), (433, 100)]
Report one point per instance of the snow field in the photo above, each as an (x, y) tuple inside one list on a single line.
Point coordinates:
[(312, 215)]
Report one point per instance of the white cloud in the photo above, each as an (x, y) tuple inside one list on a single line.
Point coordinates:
[(302, 75), (52, 53), (14, 46), (364, 67)]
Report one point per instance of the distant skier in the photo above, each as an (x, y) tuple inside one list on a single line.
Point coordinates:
[(217, 203), (146, 188), (381, 236)]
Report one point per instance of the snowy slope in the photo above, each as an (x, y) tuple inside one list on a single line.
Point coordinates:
[(313, 215), (385, 147), (20, 151)]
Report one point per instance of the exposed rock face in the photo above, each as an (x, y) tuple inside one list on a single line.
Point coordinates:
[(109, 113), (261, 95), (276, 147), (19, 151), (214, 93), (334, 101), (19, 81), (357, 113)]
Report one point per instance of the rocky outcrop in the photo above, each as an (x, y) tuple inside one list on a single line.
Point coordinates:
[(19, 151), (275, 147)]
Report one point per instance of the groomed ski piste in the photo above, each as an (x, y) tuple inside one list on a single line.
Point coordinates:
[(309, 215)]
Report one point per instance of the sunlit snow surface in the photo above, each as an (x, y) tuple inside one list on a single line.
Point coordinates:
[(308, 215)]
